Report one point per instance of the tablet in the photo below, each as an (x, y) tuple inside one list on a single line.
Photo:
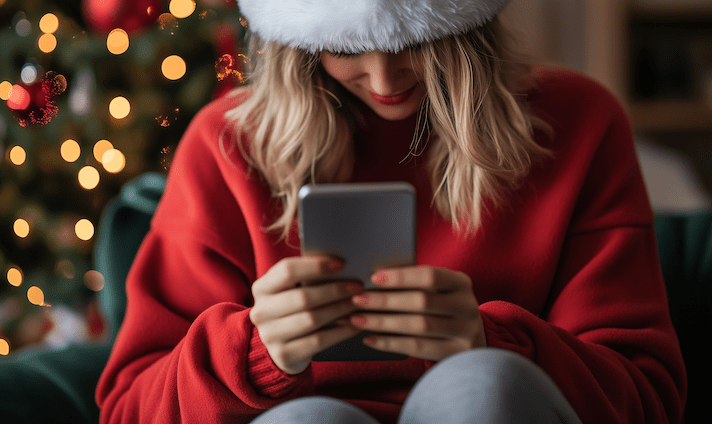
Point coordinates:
[(368, 225)]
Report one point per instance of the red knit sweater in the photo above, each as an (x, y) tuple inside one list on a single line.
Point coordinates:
[(567, 274)]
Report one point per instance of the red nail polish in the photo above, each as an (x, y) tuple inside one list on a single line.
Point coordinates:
[(334, 266), (370, 340), (379, 278), (360, 300), (358, 320)]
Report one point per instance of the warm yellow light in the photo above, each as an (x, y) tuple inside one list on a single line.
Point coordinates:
[(14, 276), (49, 23), (5, 90), (120, 107), (4, 347), (182, 8), (22, 228), (84, 229), (114, 161), (173, 67), (35, 295), (18, 155), (70, 150), (101, 147), (88, 177), (118, 41), (94, 280), (47, 43)]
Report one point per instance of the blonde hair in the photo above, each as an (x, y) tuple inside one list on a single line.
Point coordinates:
[(481, 130)]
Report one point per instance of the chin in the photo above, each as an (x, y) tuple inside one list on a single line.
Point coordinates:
[(397, 112)]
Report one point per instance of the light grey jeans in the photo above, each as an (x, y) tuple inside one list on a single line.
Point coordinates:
[(478, 386)]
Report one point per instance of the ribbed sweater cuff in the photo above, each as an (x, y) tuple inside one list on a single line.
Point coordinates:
[(266, 378)]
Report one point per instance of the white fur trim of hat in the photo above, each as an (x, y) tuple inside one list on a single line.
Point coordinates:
[(355, 26)]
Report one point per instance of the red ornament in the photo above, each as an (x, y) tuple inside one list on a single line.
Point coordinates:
[(103, 16), (34, 104)]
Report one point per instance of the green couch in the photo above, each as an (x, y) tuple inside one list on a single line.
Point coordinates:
[(57, 386)]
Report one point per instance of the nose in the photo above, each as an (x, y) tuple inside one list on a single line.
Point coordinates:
[(387, 72)]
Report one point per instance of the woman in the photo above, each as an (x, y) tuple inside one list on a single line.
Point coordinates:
[(537, 295)]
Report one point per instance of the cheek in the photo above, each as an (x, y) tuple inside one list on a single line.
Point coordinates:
[(340, 70)]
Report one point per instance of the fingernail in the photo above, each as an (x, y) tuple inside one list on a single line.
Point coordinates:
[(358, 320), (361, 300), (379, 278), (334, 266), (370, 340)]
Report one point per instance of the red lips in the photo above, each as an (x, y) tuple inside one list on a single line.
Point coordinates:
[(393, 100)]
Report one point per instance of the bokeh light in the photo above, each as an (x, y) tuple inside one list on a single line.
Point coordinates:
[(88, 177), (66, 269), (4, 347), (84, 229), (118, 41), (5, 90), (167, 22), (54, 84), (100, 148), (23, 28), (18, 156), (94, 280), (14, 276), (19, 98), (173, 67), (70, 150), (113, 161), (36, 296), (182, 8), (28, 74), (49, 23), (21, 228), (119, 107), (47, 43)]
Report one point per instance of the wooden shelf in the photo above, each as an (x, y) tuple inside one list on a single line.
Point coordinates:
[(671, 116)]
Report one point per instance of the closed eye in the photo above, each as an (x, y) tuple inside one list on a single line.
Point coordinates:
[(343, 54)]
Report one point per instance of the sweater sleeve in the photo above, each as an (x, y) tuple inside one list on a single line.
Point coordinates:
[(606, 336), (187, 350)]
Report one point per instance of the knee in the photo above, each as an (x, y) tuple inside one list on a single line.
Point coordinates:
[(315, 409), (486, 383), (489, 366)]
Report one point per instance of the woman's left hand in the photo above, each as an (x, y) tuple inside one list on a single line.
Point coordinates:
[(425, 312)]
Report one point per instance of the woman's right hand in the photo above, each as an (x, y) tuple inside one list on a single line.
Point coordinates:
[(290, 316)]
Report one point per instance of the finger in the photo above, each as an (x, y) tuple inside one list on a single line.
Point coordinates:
[(416, 347), (423, 278), (294, 357), (310, 345), (302, 299), (416, 325), (289, 272), (418, 301), (298, 325)]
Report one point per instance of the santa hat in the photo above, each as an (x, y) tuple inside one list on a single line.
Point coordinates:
[(354, 26)]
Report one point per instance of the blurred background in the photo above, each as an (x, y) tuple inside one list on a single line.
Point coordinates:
[(96, 92)]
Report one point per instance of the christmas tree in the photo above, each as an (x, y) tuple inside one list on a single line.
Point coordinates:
[(93, 93)]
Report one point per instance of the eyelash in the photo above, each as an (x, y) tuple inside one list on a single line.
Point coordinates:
[(342, 54), (339, 55)]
